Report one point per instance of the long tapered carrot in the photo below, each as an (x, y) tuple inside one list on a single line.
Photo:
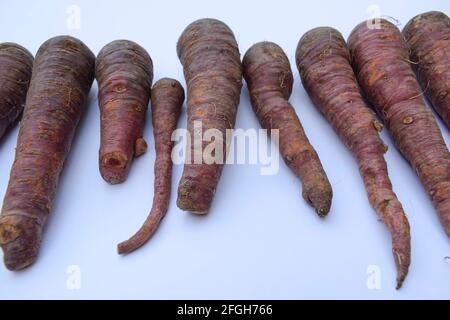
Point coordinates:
[(381, 62), (62, 76), (323, 61), (167, 99)]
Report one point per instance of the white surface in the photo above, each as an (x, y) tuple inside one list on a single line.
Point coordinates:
[(260, 240)]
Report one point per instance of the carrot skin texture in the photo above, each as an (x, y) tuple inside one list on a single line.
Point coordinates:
[(211, 63), (62, 76), (428, 37), (167, 100), (269, 78), (381, 62), (124, 72), (324, 64), (16, 64)]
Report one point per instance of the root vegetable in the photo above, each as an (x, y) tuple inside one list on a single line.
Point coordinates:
[(428, 37), (62, 76), (167, 99), (210, 57), (269, 78), (381, 62), (124, 72), (15, 73), (323, 61)]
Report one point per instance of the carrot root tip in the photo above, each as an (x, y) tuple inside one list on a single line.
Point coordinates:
[(20, 238), (319, 199), (113, 167)]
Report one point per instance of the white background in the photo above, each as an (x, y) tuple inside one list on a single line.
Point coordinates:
[(260, 239)]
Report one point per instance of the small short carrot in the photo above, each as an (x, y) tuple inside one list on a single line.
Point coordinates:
[(211, 63), (269, 78), (124, 73)]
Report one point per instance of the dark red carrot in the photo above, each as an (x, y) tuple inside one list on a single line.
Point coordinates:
[(167, 99), (269, 78), (15, 73), (62, 76), (428, 37), (381, 62), (323, 61), (124, 72), (210, 57)]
